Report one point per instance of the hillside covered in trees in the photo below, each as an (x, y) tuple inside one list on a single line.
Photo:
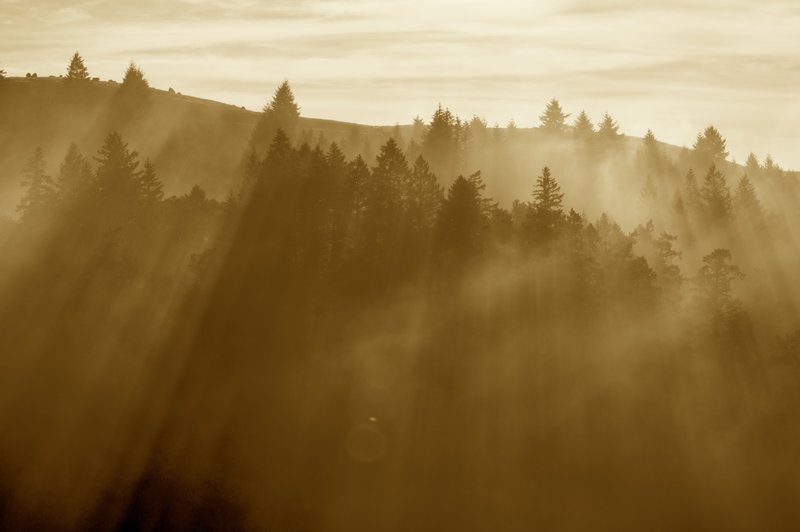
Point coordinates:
[(218, 319)]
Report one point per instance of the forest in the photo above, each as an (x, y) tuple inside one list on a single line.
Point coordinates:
[(436, 326)]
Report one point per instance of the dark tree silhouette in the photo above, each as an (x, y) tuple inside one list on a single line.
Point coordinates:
[(151, 189), (134, 82), (546, 214), (282, 112), (439, 142), (608, 129), (713, 286), (746, 204), (553, 120), (460, 224), (710, 147), (716, 196), (583, 127), (75, 177), (76, 70), (423, 196), (39, 192)]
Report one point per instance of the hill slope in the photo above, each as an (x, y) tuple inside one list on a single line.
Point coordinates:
[(196, 141)]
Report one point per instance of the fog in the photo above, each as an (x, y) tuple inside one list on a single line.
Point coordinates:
[(216, 319)]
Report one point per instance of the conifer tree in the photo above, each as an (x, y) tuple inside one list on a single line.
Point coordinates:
[(151, 188), (74, 177), (608, 130), (752, 166), (553, 120), (134, 82), (359, 177), (280, 150), (424, 196), (545, 215), (460, 224), (385, 198), (716, 195), (710, 147), (439, 141), (282, 112), (117, 175), (746, 203), (38, 185), (691, 193), (713, 287), (583, 127), (77, 70)]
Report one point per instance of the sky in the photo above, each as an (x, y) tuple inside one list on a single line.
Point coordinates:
[(674, 66)]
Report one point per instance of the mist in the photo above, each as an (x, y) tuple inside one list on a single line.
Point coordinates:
[(221, 319)]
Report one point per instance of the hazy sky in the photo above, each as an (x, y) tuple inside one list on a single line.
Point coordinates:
[(672, 65)]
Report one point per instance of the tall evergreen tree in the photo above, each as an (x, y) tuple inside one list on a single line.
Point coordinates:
[(746, 203), (117, 178), (439, 142), (134, 82), (710, 147), (716, 195), (151, 189), (423, 197), (359, 178), (553, 120), (752, 166), (74, 177), (713, 286), (583, 127), (608, 130), (691, 193), (546, 213), (38, 185), (282, 112), (384, 203), (460, 224), (77, 70)]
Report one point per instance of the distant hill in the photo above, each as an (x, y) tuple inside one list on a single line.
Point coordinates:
[(190, 140), (196, 141)]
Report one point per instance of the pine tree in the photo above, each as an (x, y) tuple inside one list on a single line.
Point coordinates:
[(385, 197), (359, 177), (282, 112), (691, 194), (117, 177), (583, 127), (460, 224), (134, 81), (652, 153), (75, 176), (280, 150), (746, 203), (713, 286), (151, 189), (439, 142), (715, 195), (752, 166), (608, 130), (424, 196), (553, 119), (39, 192), (710, 147), (546, 214), (77, 70)]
